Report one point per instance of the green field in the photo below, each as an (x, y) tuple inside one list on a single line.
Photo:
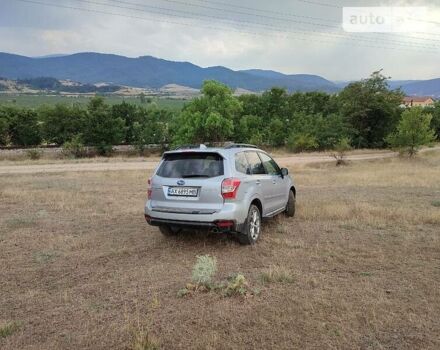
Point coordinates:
[(38, 100)]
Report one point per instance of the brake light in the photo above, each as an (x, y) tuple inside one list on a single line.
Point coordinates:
[(149, 189), (230, 188)]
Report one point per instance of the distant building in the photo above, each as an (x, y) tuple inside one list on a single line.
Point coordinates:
[(418, 101)]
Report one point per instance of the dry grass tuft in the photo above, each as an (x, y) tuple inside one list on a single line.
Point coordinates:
[(276, 274), (141, 340), (8, 329)]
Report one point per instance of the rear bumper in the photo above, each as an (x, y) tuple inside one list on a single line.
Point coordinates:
[(230, 218), (180, 223), (220, 225)]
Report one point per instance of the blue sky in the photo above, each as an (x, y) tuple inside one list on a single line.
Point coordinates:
[(292, 36)]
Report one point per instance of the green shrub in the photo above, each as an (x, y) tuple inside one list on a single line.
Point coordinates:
[(237, 285), (204, 269), (33, 154), (341, 149), (302, 142), (74, 148), (414, 130)]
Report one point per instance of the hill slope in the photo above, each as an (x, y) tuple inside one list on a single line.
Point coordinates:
[(423, 88), (148, 71)]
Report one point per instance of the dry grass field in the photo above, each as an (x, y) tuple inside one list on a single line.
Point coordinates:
[(357, 268)]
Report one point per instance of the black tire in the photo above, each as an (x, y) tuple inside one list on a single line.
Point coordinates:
[(169, 231), (290, 207), (252, 227)]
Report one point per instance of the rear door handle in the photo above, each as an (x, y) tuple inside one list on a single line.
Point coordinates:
[(258, 182), (274, 182)]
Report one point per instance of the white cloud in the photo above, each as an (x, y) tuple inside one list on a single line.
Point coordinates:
[(33, 30)]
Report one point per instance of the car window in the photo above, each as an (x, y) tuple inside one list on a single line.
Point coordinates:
[(255, 163), (191, 164), (269, 164), (241, 163)]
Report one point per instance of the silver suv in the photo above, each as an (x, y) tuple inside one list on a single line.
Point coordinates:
[(223, 189)]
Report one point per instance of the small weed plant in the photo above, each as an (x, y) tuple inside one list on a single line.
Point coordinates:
[(8, 329), (204, 270), (436, 203), (202, 280)]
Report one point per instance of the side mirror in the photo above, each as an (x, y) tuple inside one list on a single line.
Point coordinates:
[(284, 172)]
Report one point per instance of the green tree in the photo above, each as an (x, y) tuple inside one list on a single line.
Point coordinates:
[(274, 104), (209, 118), (371, 109), (60, 123), (249, 130), (4, 126), (414, 130), (313, 102), (435, 122), (276, 132), (24, 127), (103, 129), (142, 98), (129, 114), (150, 129)]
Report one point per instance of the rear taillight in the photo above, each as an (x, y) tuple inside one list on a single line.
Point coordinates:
[(149, 189), (230, 188)]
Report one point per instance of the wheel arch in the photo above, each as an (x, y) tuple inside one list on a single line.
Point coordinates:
[(293, 189), (257, 202)]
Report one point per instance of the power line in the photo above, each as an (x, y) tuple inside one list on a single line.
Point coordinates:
[(319, 3), (154, 19), (270, 26), (341, 7), (289, 14), (247, 8)]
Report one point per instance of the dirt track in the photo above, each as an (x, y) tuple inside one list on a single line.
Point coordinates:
[(151, 164)]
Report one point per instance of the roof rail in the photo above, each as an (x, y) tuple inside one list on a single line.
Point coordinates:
[(201, 146), (240, 145)]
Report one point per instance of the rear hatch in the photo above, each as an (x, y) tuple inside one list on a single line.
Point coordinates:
[(188, 183)]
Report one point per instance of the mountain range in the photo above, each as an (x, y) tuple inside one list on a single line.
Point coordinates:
[(152, 72)]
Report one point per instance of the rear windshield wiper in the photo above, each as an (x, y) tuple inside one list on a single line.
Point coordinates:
[(194, 175)]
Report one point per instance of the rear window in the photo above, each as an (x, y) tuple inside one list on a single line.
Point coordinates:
[(191, 165)]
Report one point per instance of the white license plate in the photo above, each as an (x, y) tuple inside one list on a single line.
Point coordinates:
[(183, 191)]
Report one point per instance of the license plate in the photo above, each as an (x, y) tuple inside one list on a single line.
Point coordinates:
[(183, 191)]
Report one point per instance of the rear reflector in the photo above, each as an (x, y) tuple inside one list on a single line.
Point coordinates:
[(230, 188), (147, 218), (224, 223)]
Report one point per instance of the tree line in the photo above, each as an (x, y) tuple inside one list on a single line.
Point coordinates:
[(365, 114)]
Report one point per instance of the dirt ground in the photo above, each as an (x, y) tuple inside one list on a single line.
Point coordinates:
[(149, 163), (357, 268)]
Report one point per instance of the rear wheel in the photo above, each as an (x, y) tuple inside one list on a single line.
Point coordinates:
[(168, 231), (290, 207), (252, 227)]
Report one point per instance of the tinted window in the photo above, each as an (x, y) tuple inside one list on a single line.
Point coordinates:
[(269, 164), (191, 164), (255, 163), (241, 163)]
